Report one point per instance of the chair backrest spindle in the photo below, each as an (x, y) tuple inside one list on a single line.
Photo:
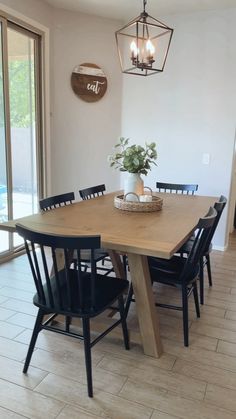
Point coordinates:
[(92, 192), (203, 230), (178, 188), (56, 201), (68, 289)]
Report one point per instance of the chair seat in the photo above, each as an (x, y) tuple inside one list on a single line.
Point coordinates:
[(106, 292), (170, 271)]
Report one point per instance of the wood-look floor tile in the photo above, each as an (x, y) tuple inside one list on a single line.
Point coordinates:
[(226, 348), (210, 310), (217, 287), (218, 322), (10, 270), (59, 344), (229, 282), (231, 298), (211, 301), (15, 293), (161, 415), (21, 319), (5, 313), (215, 332), (165, 379), (3, 299), (20, 306), (12, 371), (209, 358), (9, 331), (12, 349), (17, 284), (70, 412), (102, 404), (73, 367), (197, 340), (7, 414), (136, 355), (208, 374), (231, 315), (167, 402), (28, 403), (222, 397), (213, 311)]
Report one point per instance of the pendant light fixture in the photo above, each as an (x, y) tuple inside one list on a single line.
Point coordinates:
[(143, 45)]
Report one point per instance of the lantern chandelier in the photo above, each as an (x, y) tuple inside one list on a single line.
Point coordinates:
[(143, 45)]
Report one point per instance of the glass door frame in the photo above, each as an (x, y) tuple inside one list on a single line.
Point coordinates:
[(41, 169)]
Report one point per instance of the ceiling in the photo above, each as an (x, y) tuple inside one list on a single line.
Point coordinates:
[(127, 9)]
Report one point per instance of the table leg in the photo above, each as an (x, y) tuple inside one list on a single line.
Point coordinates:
[(145, 305), (117, 264)]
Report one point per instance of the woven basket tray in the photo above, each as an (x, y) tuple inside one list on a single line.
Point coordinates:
[(136, 206)]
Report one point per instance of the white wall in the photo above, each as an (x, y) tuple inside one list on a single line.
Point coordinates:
[(84, 133), (33, 9), (190, 109)]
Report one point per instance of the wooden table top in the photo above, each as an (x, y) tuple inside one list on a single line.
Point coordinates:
[(158, 233)]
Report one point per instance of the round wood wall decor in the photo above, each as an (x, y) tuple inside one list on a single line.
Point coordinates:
[(89, 82)]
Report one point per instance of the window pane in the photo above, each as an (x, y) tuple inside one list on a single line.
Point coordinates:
[(21, 53)]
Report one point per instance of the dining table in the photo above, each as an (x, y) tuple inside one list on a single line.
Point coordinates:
[(136, 234)]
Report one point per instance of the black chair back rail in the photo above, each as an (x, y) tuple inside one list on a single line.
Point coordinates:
[(92, 192), (56, 201), (176, 188), (205, 258), (62, 281), (183, 273), (203, 233), (68, 291), (219, 207)]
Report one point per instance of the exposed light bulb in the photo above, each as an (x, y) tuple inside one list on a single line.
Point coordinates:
[(150, 48), (134, 49)]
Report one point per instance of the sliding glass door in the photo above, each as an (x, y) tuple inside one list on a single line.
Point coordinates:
[(20, 139), (4, 215)]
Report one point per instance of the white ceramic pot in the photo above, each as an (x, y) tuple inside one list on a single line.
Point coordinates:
[(133, 183)]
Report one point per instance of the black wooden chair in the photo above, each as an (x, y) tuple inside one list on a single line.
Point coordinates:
[(176, 188), (90, 193), (182, 272), (56, 201), (70, 292), (205, 259)]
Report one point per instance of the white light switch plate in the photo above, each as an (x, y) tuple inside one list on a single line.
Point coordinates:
[(206, 158)]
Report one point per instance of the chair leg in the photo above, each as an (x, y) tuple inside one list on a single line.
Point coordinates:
[(123, 321), (201, 281), (124, 260), (196, 300), (128, 299), (87, 352), (37, 328), (185, 313), (208, 264), (68, 323)]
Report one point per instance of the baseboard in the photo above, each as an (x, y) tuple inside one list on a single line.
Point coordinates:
[(220, 248)]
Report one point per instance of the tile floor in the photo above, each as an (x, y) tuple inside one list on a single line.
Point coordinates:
[(185, 383)]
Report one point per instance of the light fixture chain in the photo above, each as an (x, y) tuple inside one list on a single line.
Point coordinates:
[(144, 5)]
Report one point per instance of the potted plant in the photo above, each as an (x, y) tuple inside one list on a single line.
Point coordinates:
[(135, 160)]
